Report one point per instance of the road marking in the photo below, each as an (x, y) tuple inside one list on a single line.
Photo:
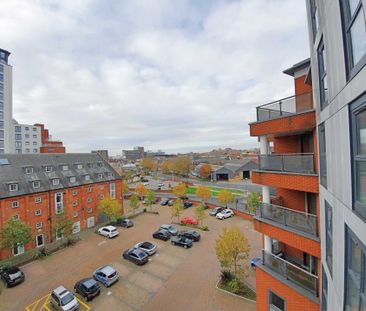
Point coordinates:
[(83, 304), (101, 243)]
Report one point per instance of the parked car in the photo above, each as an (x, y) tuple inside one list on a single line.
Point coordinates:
[(160, 184), (216, 210), (190, 234), (162, 235), (171, 202), (189, 221), (254, 261), (181, 240), (126, 223), (108, 231), (106, 275), (64, 300), (87, 288), (11, 276), (144, 179), (136, 256), (226, 213), (172, 230), (184, 197), (164, 201), (146, 183), (148, 247), (187, 204)]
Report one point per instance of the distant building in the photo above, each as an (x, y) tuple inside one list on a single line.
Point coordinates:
[(135, 154), (152, 154), (102, 153), (233, 170), (49, 145)]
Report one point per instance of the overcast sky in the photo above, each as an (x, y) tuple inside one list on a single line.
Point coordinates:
[(172, 75)]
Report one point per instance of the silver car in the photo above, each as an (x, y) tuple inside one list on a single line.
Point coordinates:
[(64, 300), (147, 247), (106, 275)]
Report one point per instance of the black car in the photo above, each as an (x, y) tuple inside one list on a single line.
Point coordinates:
[(187, 204), (12, 276), (136, 256), (162, 235), (87, 288), (190, 234), (171, 202), (180, 240), (216, 210), (164, 201), (127, 223)]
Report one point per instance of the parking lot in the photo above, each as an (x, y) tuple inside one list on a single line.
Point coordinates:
[(174, 278)]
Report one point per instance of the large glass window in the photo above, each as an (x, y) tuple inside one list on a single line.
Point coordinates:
[(355, 294), (329, 235), (314, 18), (323, 80), (354, 29), (322, 155), (275, 303), (324, 291), (59, 205), (358, 139)]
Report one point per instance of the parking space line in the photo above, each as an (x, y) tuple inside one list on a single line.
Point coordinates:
[(33, 305), (83, 304), (46, 302)]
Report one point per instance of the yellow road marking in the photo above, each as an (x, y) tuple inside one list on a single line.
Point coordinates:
[(47, 301), (33, 305), (83, 304)]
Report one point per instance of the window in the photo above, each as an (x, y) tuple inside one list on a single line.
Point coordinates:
[(34, 143), (75, 214), (15, 217), (275, 303), (75, 203), (74, 192), (34, 129), (35, 150), (79, 166), (323, 80), (27, 143), (110, 174), (13, 187), (59, 207), (18, 249), (14, 204), (355, 294), (48, 169), (314, 18), (324, 302), (39, 240), (65, 167), (87, 177), (55, 181), (59, 234), (101, 197), (18, 136), (358, 141), (27, 150), (26, 135), (29, 170), (34, 135), (36, 184), (26, 128), (329, 236), (322, 155), (90, 200), (100, 164), (38, 225), (18, 144), (101, 187), (38, 212), (89, 189), (100, 176), (73, 179), (76, 227), (18, 129), (38, 200), (354, 33), (112, 190), (90, 210)]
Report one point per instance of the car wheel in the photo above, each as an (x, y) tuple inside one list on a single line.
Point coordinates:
[(173, 243), (185, 246), (86, 298)]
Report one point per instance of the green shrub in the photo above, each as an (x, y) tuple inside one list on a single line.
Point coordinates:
[(204, 228), (235, 285), (226, 276)]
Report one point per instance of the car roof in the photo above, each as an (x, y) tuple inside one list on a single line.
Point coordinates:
[(165, 226), (107, 270), (60, 290), (12, 269), (109, 227), (88, 282)]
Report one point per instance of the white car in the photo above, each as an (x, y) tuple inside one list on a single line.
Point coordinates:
[(108, 231), (226, 213), (146, 183), (64, 300)]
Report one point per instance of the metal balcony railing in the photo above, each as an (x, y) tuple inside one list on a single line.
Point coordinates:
[(297, 163), (285, 107), (297, 220), (291, 272)]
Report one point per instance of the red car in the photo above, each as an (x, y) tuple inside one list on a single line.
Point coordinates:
[(189, 221)]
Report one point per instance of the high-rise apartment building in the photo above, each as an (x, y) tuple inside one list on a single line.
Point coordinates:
[(6, 104), (337, 31), (288, 276)]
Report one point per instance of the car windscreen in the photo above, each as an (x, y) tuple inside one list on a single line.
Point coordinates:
[(147, 245), (67, 299), (15, 275), (90, 284)]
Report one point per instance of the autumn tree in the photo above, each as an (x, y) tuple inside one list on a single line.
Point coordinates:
[(205, 171), (150, 198), (15, 233), (180, 190), (253, 201), (182, 165), (200, 213), (110, 208), (225, 197), (177, 209), (203, 192), (134, 203), (140, 190), (232, 250), (125, 188), (148, 164), (63, 226), (167, 167)]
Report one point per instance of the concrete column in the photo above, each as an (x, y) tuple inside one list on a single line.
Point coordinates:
[(266, 198), (267, 244), (263, 144)]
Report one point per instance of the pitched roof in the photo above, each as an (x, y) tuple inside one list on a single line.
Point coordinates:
[(13, 171)]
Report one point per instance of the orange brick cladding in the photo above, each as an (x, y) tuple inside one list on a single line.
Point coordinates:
[(291, 124), (86, 197), (49, 146), (294, 301), (308, 183)]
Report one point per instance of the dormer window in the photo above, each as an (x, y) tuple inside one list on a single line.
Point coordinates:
[(29, 170), (87, 177), (72, 179), (79, 166), (55, 182), (36, 184), (48, 169), (100, 164), (13, 187), (64, 167), (110, 174), (100, 176), (90, 165)]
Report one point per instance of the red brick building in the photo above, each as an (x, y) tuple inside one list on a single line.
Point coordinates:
[(287, 278), (35, 188), (49, 145)]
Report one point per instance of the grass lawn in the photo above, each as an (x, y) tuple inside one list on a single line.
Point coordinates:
[(215, 190)]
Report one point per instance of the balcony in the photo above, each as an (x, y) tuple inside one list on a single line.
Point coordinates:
[(291, 272), (302, 163), (285, 107), (292, 219)]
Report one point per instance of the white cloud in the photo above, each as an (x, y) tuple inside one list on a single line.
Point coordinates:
[(164, 74)]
